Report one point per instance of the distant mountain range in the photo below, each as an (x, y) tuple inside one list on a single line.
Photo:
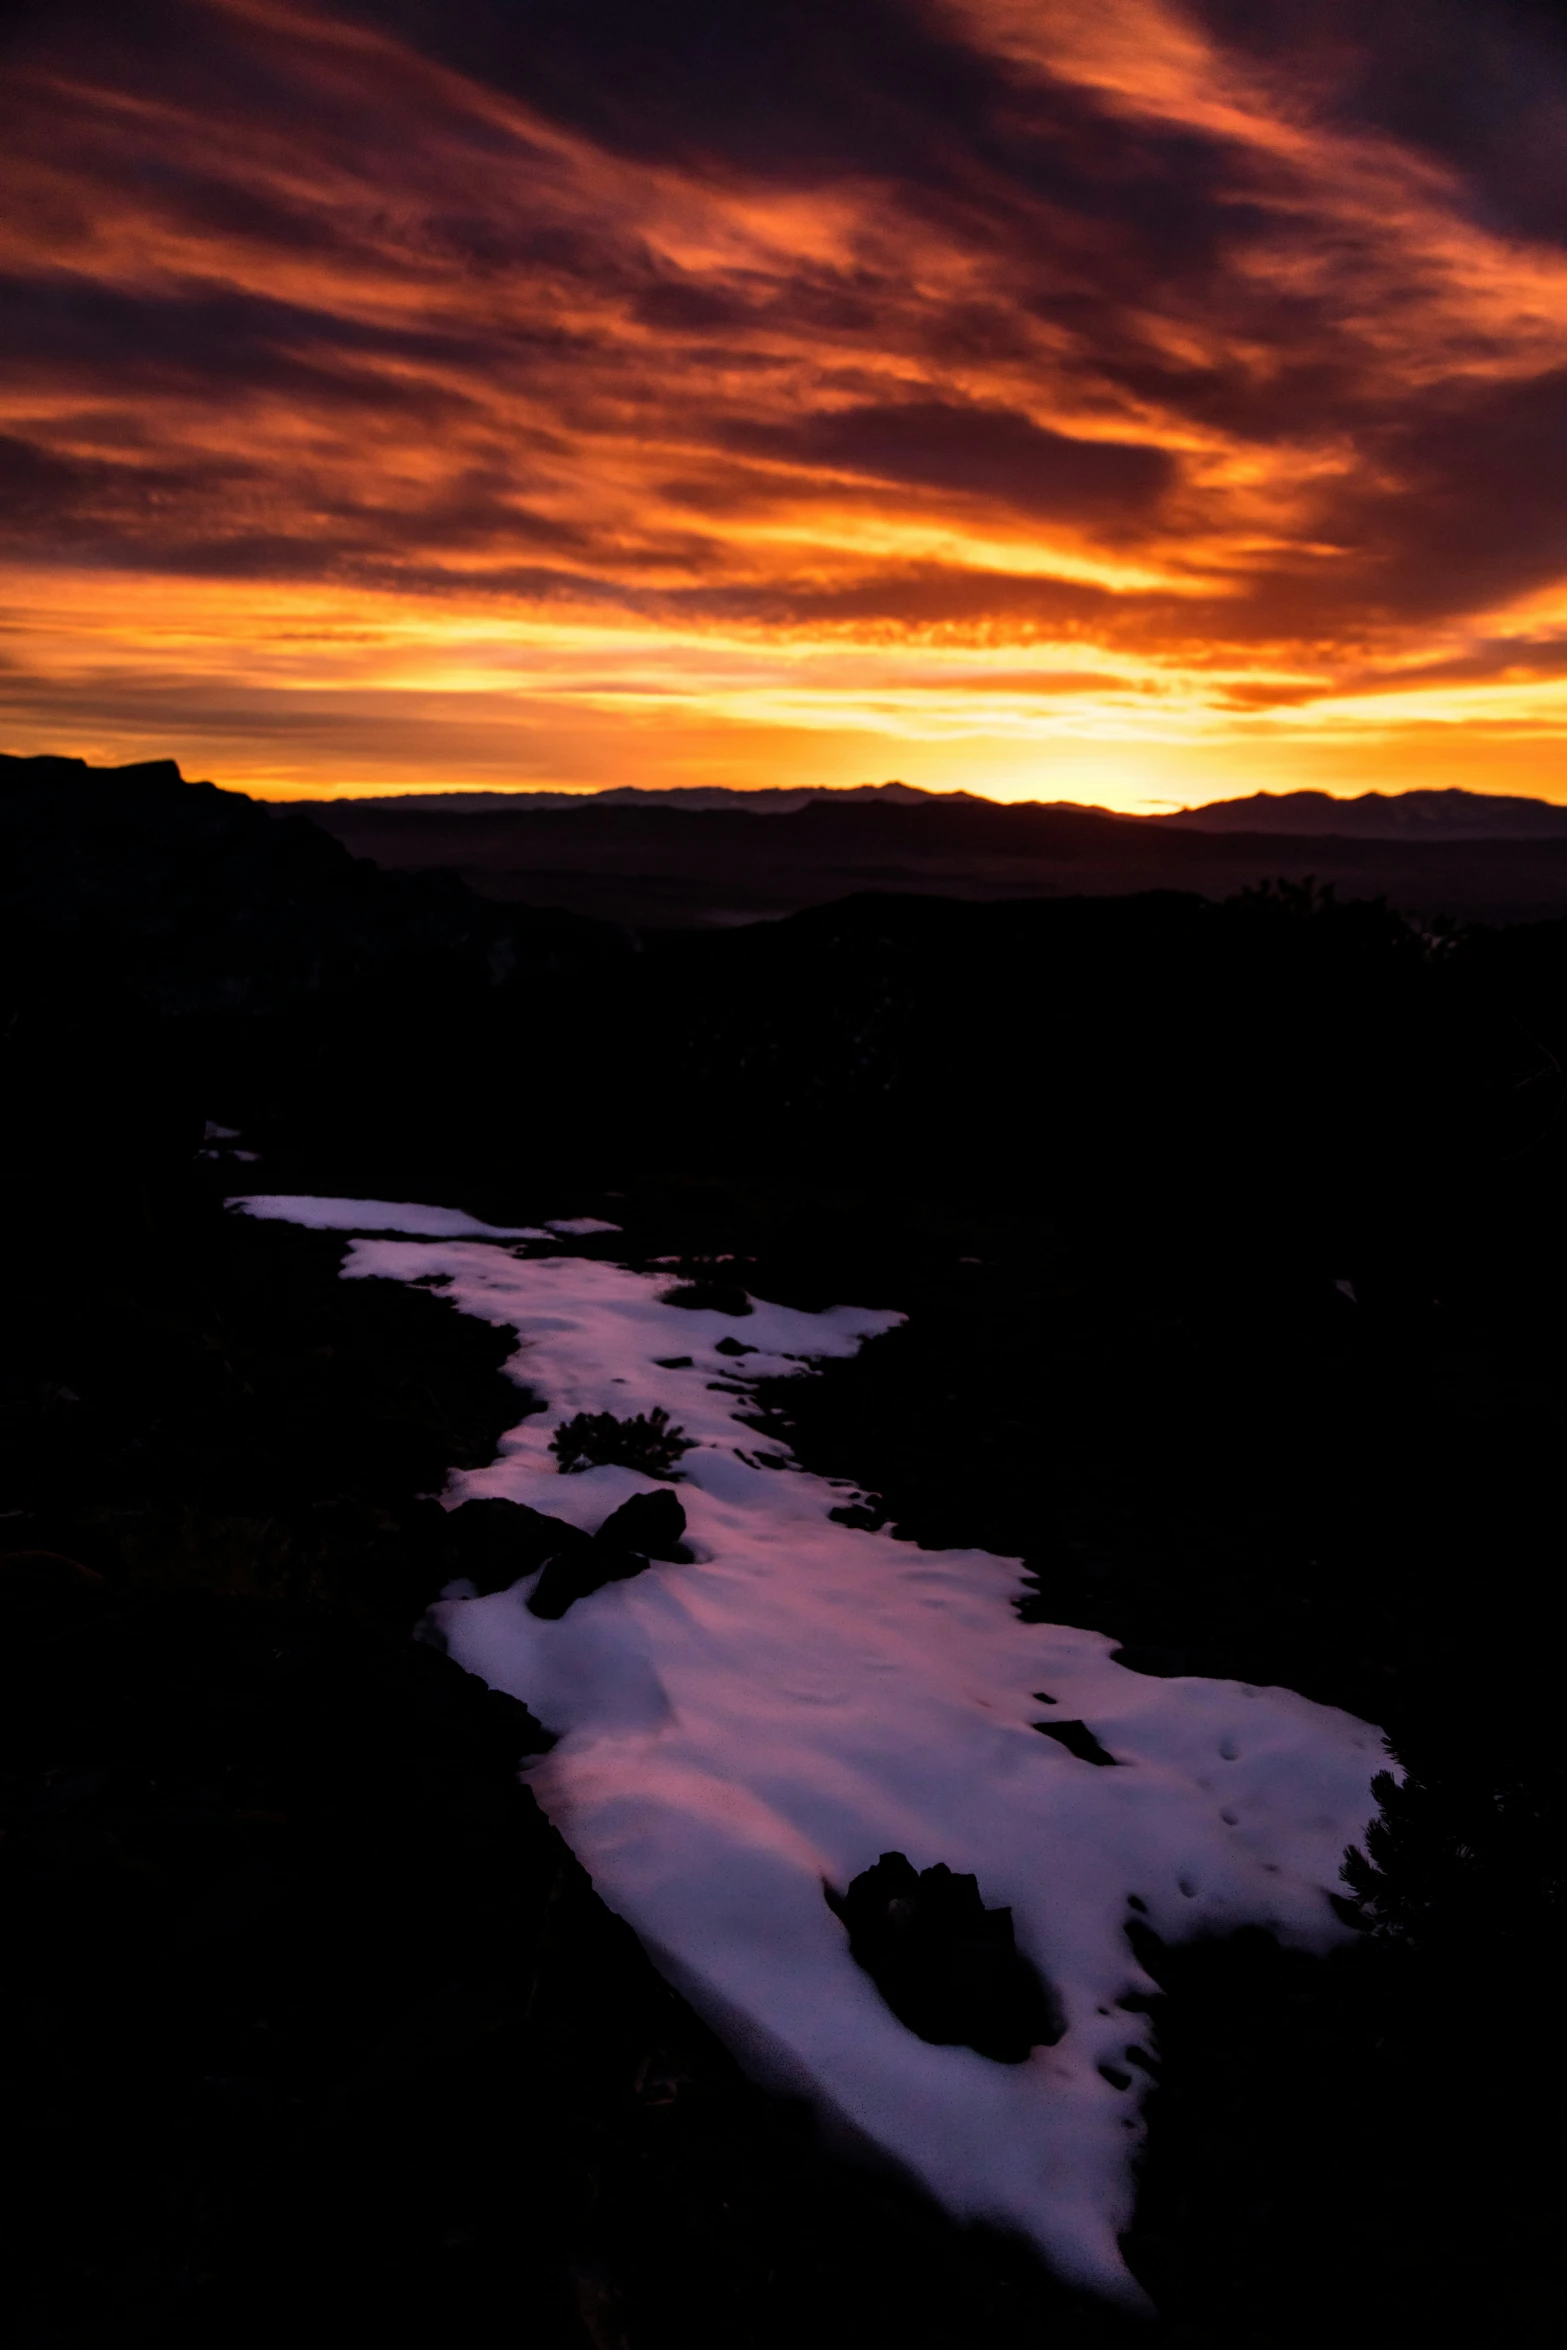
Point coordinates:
[(1300, 815), (1410, 815), (651, 860), (699, 799), (699, 858)]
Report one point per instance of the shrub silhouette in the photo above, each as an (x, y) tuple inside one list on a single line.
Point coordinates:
[(646, 1443)]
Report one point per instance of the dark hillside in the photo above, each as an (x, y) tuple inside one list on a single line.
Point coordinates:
[(1230, 1237), (208, 903)]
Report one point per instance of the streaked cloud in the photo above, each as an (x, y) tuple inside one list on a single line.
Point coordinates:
[(999, 393)]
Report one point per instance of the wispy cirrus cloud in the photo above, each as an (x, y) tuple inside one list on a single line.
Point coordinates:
[(787, 390)]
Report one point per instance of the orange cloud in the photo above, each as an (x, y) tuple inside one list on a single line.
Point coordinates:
[(1114, 400)]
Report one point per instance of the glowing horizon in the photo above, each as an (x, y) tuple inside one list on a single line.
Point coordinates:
[(1062, 403)]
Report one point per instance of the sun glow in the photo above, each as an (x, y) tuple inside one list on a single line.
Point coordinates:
[(290, 691)]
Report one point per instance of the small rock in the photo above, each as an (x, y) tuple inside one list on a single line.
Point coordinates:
[(652, 1523), (947, 1966), (646, 1527), (494, 1542), (1078, 1739)]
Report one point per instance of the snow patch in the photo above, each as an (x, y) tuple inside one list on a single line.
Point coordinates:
[(375, 1215), (808, 1696)]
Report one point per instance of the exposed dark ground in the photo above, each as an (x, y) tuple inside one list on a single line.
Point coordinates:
[(649, 865), (310, 2019)]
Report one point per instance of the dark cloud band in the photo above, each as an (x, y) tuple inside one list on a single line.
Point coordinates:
[(818, 314)]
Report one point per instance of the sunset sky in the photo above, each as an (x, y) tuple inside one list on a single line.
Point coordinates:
[(1110, 400)]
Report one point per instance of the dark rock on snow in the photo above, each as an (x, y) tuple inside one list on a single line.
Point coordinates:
[(653, 1523), (947, 1966), (711, 1295), (493, 1543), (1078, 1740), (648, 1526)]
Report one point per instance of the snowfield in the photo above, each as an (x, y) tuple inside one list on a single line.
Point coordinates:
[(388, 1215), (806, 1696)]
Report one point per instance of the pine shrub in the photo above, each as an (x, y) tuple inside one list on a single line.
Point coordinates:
[(646, 1443)]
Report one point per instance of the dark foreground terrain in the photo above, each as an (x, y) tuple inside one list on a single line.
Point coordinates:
[(1231, 1241)]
